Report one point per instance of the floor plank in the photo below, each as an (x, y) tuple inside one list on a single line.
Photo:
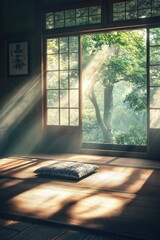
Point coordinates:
[(18, 226), (72, 234), (52, 231), (95, 237), (36, 232), (7, 233)]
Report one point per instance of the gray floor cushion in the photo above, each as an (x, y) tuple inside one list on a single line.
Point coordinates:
[(71, 170)]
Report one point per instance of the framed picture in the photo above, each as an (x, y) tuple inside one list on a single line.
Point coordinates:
[(18, 58)]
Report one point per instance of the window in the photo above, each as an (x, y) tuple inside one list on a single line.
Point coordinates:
[(73, 17), (154, 51), (134, 9), (62, 81), (121, 105)]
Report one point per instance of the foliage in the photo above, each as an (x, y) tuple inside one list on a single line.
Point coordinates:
[(134, 136), (125, 63)]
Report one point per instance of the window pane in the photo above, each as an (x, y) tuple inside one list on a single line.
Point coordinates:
[(154, 75), (64, 45), (131, 15), (64, 79), (52, 80), (156, 12), (73, 79), (49, 20), (155, 55), (52, 98), (74, 117), (131, 5), (74, 100), (70, 13), (144, 13), (49, 16), (70, 22), (50, 25), (155, 97), (52, 62), (144, 4), (155, 118), (119, 16), (154, 36), (96, 10), (73, 61), (82, 21), (64, 117), (52, 46), (82, 12), (95, 19), (59, 23), (63, 98), (156, 3), (59, 15), (73, 44), (63, 61), (52, 116), (119, 7)]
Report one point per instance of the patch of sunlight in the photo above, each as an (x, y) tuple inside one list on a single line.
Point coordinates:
[(103, 175), (9, 165), (125, 179), (89, 157), (119, 178), (43, 200), (99, 205), (91, 72), (137, 183), (15, 166)]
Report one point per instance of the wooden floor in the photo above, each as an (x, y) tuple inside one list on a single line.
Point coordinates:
[(120, 201), (21, 230)]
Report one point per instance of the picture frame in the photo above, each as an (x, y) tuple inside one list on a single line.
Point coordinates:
[(18, 58)]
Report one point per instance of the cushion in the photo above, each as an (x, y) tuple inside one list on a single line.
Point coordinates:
[(72, 170)]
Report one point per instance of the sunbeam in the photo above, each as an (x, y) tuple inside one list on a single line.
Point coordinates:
[(17, 107), (91, 71)]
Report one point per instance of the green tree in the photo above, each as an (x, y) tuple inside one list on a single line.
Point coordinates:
[(122, 58)]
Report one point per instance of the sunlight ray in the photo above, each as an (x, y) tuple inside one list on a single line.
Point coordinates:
[(91, 71), (17, 106)]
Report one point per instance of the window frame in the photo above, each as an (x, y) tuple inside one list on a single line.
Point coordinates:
[(71, 29), (106, 25), (152, 86), (137, 9), (45, 89)]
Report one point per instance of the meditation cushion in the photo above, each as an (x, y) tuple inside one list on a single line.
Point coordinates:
[(72, 170)]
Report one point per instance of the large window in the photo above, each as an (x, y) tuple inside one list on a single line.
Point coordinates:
[(101, 80), (115, 88), (62, 85)]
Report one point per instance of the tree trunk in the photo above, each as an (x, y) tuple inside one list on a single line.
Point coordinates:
[(107, 134), (108, 106)]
